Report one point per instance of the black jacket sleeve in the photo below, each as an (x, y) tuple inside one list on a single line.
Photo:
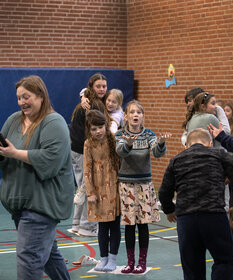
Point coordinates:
[(225, 140), (167, 190)]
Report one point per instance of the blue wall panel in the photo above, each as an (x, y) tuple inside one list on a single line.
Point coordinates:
[(63, 86)]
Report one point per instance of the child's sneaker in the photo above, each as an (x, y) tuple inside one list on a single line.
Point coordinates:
[(84, 232)]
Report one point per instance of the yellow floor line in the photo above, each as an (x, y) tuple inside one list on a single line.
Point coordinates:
[(177, 265), (89, 276), (161, 230)]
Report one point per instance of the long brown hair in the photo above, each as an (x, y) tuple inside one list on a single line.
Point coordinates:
[(35, 85), (95, 117), (90, 93), (230, 105), (201, 99)]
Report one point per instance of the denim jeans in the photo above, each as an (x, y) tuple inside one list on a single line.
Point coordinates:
[(36, 248), (80, 218)]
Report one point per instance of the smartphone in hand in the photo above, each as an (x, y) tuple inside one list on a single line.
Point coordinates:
[(3, 141)]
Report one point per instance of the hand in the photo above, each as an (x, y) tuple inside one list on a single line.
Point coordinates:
[(92, 198), (130, 139), (85, 103), (227, 181), (9, 151), (214, 131), (163, 137), (172, 217)]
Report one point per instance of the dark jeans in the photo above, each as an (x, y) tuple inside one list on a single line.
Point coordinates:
[(36, 248), (109, 235), (198, 232)]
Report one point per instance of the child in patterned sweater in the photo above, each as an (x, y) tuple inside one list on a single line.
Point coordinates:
[(137, 194)]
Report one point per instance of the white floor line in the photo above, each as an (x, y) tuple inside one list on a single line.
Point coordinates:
[(90, 244)]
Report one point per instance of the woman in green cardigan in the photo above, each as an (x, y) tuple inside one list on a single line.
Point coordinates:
[(37, 182)]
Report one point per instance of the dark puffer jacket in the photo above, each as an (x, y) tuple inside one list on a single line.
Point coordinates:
[(197, 175)]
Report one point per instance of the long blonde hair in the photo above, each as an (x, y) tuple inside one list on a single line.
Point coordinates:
[(35, 85), (118, 94)]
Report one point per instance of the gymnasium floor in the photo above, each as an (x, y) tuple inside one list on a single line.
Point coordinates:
[(163, 256)]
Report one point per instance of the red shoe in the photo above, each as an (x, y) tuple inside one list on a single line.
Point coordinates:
[(128, 269), (130, 266), (139, 269)]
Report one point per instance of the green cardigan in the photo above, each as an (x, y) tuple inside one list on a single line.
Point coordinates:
[(46, 185), (202, 120)]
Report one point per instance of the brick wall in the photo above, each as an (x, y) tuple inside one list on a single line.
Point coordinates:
[(196, 37), (63, 33), (143, 35)]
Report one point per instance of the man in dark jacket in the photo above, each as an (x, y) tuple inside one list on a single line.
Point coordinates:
[(197, 175)]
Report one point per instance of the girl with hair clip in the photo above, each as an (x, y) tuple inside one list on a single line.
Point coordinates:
[(137, 194), (202, 115), (216, 110), (96, 91), (114, 100), (101, 164), (204, 112)]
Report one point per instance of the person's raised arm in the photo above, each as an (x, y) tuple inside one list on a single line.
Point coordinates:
[(214, 131)]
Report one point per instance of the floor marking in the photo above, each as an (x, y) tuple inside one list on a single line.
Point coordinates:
[(89, 276), (12, 249), (177, 265), (166, 237), (81, 244), (161, 230), (155, 268), (8, 252), (74, 246)]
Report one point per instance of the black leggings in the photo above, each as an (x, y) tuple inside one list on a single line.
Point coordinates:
[(143, 236), (109, 235)]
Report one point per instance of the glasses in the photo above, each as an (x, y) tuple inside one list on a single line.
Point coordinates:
[(205, 97)]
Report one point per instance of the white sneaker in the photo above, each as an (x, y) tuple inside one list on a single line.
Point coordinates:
[(73, 231), (85, 260), (84, 232)]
